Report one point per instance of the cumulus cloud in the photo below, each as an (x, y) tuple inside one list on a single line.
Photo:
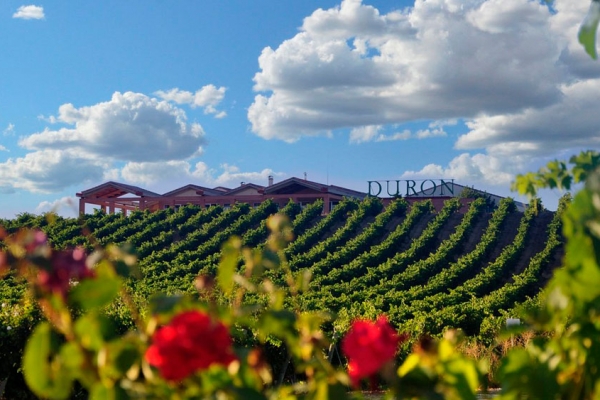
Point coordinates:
[(92, 143), (500, 16), (152, 172), (129, 127), (571, 122), (351, 66), (132, 137), (208, 97), (479, 168), (49, 171), (2, 148), (29, 12), (59, 206), (511, 69)]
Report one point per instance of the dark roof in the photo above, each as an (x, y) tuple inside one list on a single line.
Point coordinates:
[(287, 186), (293, 184), (243, 187), (116, 189), (203, 190), (346, 192)]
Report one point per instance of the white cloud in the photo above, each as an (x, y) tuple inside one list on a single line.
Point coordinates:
[(2, 148), (59, 206), (113, 174), (364, 133), (427, 133), (373, 133), (404, 135), (29, 12), (500, 16), (153, 172), (10, 130), (570, 123), (49, 171), (512, 69), (436, 129), (147, 173), (129, 127), (232, 175), (92, 143), (479, 168), (208, 97)]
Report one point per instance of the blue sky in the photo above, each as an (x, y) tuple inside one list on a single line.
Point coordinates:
[(213, 92)]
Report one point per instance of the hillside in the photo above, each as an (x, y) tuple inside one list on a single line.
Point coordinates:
[(425, 270)]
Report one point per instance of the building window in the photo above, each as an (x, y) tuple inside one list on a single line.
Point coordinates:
[(226, 206)]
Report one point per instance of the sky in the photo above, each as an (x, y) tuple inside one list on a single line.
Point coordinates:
[(217, 92)]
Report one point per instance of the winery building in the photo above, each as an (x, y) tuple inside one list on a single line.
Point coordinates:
[(114, 197)]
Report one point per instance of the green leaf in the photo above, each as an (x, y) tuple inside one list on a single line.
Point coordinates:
[(94, 330), (95, 293), (229, 261), (526, 184), (280, 324), (72, 356), (121, 356), (101, 392), (589, 26), (583, 164), (45, 374), (524, 376)]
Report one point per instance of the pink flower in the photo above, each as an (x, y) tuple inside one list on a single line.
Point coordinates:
[(368, 346), (65, 267), (190, 342)]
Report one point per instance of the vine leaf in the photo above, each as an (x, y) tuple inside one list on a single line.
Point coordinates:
[(589, 26)]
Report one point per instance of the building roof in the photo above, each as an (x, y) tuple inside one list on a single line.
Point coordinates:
[(200, 191), (297, 185), (243, 187), (115, 189), (288, 186)]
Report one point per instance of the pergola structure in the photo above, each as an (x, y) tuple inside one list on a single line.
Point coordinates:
[(113, 196)]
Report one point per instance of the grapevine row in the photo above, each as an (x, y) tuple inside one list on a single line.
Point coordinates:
[(422, 270), (401, 260), (478, 285), (369, 206), (361, 243), (464, 266), (312, 235)]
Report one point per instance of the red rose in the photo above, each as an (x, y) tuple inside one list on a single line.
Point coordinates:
[(190, 342), (368, 346)]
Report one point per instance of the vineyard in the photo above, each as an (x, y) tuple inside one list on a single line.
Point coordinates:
[(426, 270)]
